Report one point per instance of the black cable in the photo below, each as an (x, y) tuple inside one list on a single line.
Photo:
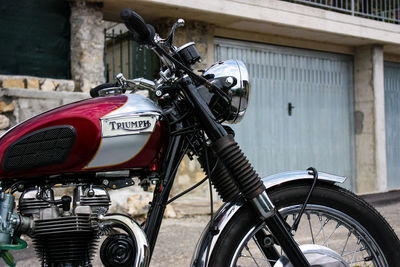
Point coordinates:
[(211, 224), (312, 171), (191, 188), (187, 190), (209, 183)]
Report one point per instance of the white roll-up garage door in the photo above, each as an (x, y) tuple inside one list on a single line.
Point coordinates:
[(301, 108)]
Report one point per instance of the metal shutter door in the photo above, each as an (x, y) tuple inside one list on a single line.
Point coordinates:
[(392, 115), (319, 132)]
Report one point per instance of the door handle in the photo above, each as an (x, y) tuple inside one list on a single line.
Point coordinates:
[(290, 108)]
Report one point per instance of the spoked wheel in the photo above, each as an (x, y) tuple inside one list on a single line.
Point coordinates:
[(335, 220)]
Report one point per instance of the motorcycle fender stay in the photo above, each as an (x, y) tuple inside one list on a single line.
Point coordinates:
[(209, 238)]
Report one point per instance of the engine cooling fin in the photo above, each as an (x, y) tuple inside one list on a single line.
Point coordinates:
[(68, 240)]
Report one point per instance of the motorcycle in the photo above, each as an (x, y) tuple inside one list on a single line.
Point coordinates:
[(299, 218)]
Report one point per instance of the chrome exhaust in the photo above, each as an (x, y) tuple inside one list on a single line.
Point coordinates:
[(124, 222)]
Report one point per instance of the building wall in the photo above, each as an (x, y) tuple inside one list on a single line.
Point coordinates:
[(271, 22)]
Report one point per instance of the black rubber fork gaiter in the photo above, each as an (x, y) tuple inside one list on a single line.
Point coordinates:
[(221, 178), (245, 176)]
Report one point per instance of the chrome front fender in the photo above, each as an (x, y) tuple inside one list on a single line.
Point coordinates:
[(210, 235)]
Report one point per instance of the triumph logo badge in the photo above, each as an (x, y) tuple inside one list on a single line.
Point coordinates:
[(130, 125), (127, 125)]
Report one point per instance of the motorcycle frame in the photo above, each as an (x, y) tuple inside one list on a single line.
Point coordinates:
[(176, 150)]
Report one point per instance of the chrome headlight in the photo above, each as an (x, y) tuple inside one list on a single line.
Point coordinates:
[(239, 93)]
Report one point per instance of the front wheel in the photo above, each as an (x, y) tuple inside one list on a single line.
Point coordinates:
[(335, 218)]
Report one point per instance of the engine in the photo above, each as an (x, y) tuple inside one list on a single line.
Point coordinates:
[(64, 231)]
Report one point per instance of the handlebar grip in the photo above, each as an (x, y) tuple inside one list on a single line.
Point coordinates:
[(143, 33), (94, 92)]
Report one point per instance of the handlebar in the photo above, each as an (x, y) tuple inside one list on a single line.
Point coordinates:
[(143, 33), (122, 85)]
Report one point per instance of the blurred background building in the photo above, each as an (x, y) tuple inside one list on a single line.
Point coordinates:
[(325, 74)]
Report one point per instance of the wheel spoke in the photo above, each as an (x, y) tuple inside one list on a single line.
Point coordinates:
[(356, 250), (345, 244), (248, 250), (321, 230), (334, 230), (309, 223)]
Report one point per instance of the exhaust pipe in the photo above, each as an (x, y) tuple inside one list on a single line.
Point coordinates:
[(124, 222)]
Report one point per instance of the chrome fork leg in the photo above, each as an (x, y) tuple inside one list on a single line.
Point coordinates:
[(263, 205), (276, 225)]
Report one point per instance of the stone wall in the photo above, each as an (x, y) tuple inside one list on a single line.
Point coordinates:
[(22, 97), (36, 83), (17, 104), (87, 45)]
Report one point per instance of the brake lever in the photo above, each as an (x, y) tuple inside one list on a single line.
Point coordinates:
[(170, 39), (135, 84)]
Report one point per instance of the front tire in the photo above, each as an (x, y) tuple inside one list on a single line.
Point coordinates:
[(334, 218)]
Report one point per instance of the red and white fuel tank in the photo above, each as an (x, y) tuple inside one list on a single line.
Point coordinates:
[(99, 134)]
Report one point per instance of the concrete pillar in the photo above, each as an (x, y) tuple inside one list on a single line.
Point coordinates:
[(87, 45), (370, 135)]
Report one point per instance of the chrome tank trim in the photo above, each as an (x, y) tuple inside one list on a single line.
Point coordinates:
[(118, 146), (118, 150), (207, 240), (127, 224), (135, 104)]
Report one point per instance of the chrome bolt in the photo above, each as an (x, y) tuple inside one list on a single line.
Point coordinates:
[(158, 93), (268, 242), (229, 81), (180, 23)]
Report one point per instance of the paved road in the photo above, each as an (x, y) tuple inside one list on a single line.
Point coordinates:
[(178, 238)]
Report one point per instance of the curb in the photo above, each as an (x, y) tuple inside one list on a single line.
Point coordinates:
[(382, 199)]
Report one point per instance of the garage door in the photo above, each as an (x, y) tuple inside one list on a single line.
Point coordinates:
[(301, 108), (392, 114)]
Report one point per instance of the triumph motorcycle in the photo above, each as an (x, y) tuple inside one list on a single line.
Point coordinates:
[(299, 218)]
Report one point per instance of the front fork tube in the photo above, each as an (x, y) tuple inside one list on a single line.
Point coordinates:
[(277, 226)]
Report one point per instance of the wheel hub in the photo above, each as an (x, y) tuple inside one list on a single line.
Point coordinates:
[(317, 256)]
